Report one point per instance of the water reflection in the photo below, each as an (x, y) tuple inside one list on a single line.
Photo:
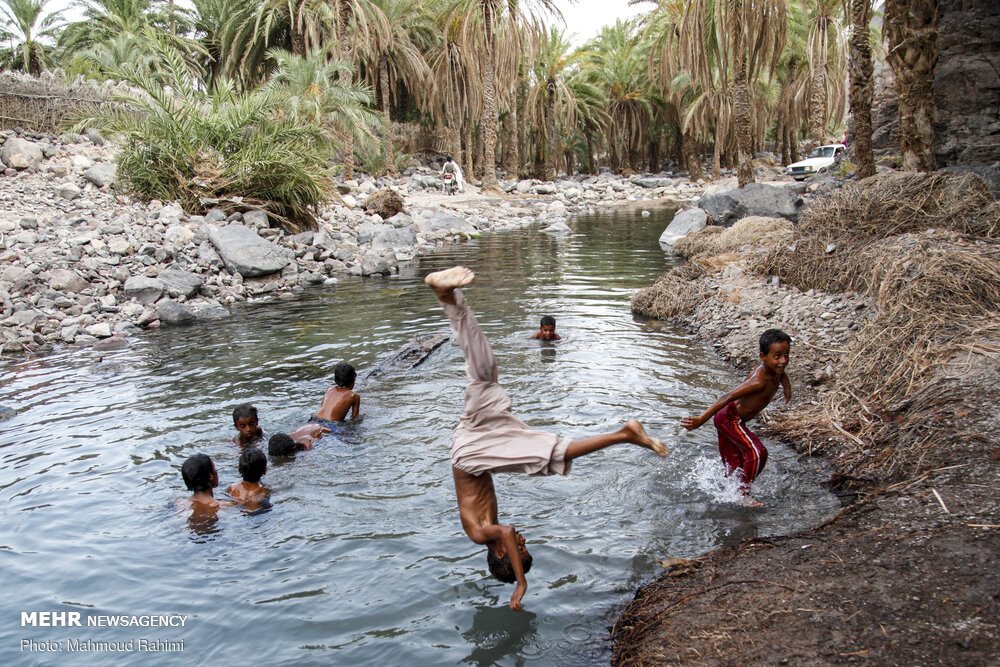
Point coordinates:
[(497, 633)]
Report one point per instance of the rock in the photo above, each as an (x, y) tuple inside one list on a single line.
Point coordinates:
[(385, 203), (684, 222), (451, 224), (80, 162), (114, 342), (65, 280), (557, 208), (652, 182), (207, 255), (208, 310), (18, 276), (173, 313), (349, 201), (367, 230), (374, 264), (402, 241), (68, 191), (143, 289), (101, 174), (120, 246), (400, 220), (756, 199), (99, 330), (305, 238), (20, 153), (215, 215), (179, 235), (180, 283), (28, 222), (557, 228), (256, 219), (95, 137), (6, 412), (246, 253)]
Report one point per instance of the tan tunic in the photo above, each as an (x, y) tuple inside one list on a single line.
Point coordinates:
[(489, 438)]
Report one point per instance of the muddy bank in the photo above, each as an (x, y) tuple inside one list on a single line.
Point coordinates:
[(895, 372)]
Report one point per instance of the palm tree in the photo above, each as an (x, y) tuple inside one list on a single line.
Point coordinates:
[(106, 20), (392, 57), (827, 66), (745, 39), (910, 27), (30, 23), (861, 86), (552, 97), (315, 92), (454, 93)]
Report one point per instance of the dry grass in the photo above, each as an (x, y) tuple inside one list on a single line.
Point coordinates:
[(925, 248), (675, 294), (752, 231)]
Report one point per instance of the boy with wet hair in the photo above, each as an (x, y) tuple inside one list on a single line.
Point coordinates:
[(302, 438), (200, 477), (546, 329), (740, 448), (252, 466), (247, 425), (339, 399), (490, 439)]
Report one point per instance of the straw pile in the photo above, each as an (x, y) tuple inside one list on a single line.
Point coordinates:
[(925, 247), (675, 294), (751, 231)]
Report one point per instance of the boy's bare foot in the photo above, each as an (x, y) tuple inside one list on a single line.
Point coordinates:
[(750, 501), (449, 279), (637, 434)]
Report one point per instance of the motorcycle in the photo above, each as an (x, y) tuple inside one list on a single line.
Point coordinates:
[(450, 185)]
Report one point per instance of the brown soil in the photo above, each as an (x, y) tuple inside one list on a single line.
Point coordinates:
[(906, 573)]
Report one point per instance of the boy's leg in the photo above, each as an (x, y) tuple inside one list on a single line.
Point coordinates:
[(632, 432), (480, 364)]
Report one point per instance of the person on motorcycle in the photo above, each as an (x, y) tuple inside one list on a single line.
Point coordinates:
[(451, 167)]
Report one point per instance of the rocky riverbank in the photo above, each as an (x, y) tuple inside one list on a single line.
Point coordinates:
[(80, 264), (889, 289)]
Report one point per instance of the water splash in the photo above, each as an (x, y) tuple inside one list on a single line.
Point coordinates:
[(709, 476)]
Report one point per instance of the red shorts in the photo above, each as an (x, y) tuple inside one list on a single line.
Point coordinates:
[(740, 448)]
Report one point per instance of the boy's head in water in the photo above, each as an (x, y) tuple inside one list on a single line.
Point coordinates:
[(199, 473), (344, 375), (252, 465), (547, 329), (498, 560), (245, 421), (281, 444)]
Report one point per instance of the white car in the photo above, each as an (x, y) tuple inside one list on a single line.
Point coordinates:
[(819, 160)]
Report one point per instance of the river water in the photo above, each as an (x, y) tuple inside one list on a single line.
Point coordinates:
[(361, 558)]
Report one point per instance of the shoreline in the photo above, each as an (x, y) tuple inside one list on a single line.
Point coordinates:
[(900, 575), (81, 266)]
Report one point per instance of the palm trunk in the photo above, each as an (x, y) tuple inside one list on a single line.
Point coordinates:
[(691, 162), (343, 15), (717, 157), (467, 165), (591, 167), (862, 87), (383, 82), (744, 168), (489, 122), (550, 131), (817, 96), (911, 27)]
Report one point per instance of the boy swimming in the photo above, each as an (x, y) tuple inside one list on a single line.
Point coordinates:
[(247, 425), (739, 447), (302, 438), (490, 439), (339, 399), (200, 477), (252, 466), (546, 329)]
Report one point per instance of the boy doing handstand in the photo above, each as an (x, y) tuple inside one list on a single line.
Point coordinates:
[(490, 439), (740, 448)]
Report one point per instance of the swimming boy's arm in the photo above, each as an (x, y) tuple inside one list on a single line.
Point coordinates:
[(306, 436), (355, 406), (786, 387), (754, 383)]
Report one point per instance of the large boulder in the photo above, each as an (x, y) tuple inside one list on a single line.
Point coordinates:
[(101, 174), (246, 253), (180, 283), (401, 241), (684, 222), (652, 181), (65, 280), (385, 203), (18, 153), (451, 224), (144, 289), (373, 264), (762, 199), (173, 313), (368, 230)]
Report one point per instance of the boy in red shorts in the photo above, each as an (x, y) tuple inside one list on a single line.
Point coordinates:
[(740, 448)]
